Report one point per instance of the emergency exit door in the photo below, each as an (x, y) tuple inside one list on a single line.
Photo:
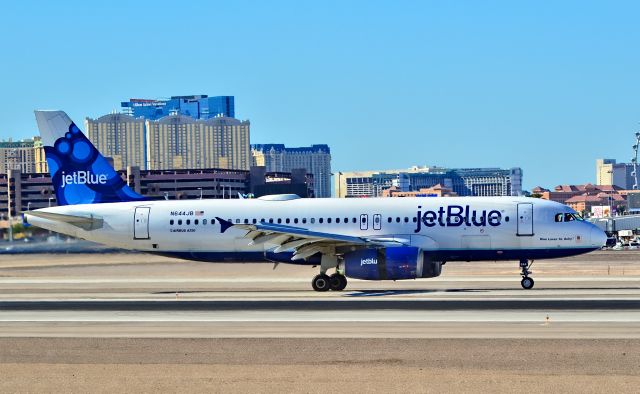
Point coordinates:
[(141, 223), (364, 222), (525, 219)]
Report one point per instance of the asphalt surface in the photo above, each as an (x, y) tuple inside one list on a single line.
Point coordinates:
[(137, 323)]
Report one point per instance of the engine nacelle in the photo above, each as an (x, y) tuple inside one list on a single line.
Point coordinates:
[(403, 262)]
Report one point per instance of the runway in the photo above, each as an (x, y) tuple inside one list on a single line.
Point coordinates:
[(142, 296), (137, 323)]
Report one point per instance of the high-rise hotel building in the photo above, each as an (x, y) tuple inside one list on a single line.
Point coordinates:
[(316, 159), (27, 156), (181, 142), (119, 136)]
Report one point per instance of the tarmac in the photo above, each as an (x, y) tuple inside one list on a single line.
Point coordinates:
[(158, 323)]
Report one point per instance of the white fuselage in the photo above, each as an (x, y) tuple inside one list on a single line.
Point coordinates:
[(452, 228)]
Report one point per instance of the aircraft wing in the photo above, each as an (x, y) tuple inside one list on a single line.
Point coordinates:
[(84, 221), (302, 241)]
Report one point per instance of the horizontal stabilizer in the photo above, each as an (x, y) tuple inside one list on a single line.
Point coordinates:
[(84, 221)]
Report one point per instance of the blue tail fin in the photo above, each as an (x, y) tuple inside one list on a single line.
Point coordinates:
[(79, 173)]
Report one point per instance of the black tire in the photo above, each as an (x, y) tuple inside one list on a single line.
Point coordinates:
[(527, 283), (338, 282), (321, 282)]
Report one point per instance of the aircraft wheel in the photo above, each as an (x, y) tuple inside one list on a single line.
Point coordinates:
[(321, 282), (338, 282), (527, 283)]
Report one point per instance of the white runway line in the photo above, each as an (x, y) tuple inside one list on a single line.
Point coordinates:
[(597, 316)]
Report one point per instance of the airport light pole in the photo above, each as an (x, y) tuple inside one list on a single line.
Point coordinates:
[(609, 195), (634, 161)]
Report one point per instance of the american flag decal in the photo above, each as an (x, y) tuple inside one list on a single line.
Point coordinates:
[(199, 213)]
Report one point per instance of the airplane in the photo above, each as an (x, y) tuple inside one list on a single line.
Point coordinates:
[(369, 239)]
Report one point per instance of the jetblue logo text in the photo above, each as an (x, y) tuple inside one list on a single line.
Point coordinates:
[(368, 261), (83, 178), (455, 216)]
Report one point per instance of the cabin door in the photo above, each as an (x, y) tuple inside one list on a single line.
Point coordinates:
[(141, 223), (525, 219)]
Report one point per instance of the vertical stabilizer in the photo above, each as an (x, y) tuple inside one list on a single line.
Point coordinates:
[(79, 173)]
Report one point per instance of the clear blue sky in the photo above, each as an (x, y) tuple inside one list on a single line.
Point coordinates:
[(545, 85)]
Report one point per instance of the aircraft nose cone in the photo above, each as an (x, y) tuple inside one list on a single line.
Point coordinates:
[(598, 237)]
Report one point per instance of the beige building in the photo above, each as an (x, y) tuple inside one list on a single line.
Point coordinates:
[(181, 142), (608, 172), (119, 136), (26, 156)]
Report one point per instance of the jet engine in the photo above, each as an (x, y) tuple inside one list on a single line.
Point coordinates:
[(393, 263)]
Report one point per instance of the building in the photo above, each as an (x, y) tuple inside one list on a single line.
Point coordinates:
[(435, 191), (23, 191), (562, 193), (121, 137), (198, 106), (181, 142), (463, 181), (584, 198), (608, 172), (315, 159), (25, 155), (585, 203)]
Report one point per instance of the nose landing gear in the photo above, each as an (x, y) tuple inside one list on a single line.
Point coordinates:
[(526, 282)]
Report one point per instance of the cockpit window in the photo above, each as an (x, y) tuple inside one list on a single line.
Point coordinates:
[(567, 217)]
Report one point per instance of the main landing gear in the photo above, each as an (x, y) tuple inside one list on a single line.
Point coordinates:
[(526, 282), (324, 282)]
